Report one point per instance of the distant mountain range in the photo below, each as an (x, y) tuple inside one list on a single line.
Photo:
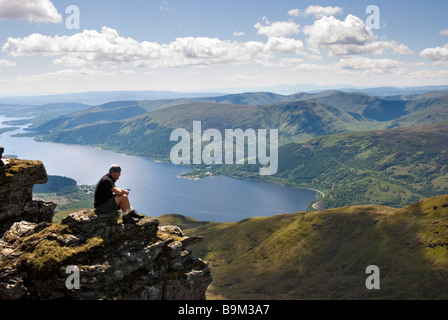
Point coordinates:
[(361, 152), (134, 126), (101, 97)]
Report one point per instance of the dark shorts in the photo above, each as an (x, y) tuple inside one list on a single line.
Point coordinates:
[(109, 206)]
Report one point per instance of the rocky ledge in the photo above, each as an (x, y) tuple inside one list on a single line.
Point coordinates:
[(17, 178), (89, 255)]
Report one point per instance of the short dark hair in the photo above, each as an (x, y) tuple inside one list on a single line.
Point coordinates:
[(114, 168)]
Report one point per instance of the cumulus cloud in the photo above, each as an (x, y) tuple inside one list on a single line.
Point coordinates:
[(396, 47), (283, 45), (33, 11), (444, 32), (277, 29), (310, 67), (350, 36), (319, 12), (6, 64), (347, 37), (426, 74), (350, 65), (294, 12), (316, 11), (436, 54), (108, 49), (367, 65)]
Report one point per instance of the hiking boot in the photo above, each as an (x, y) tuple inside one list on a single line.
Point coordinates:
[(136, 215), (127, 219)]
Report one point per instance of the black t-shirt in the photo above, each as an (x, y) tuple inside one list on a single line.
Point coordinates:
[(103, 190)]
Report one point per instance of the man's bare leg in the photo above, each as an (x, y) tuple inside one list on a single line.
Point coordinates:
[(123, 202)]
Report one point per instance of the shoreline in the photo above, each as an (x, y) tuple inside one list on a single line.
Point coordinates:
[(208, 174), (315, 204)]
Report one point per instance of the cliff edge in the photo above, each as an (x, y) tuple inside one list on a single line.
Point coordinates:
[(88, 255)]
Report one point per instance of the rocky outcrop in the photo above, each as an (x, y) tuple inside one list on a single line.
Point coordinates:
[(17, 178), (90, 255)]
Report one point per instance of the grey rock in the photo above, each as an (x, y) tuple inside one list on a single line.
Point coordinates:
[(114, 260)]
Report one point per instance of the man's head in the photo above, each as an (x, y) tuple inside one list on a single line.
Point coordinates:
[(115, 171)]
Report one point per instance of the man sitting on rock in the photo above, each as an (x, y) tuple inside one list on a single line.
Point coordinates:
[(109, 198)]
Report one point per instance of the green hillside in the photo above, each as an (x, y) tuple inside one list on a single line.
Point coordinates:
[(389, 167), (352, 159), (362, 104), (148, 134), (298, 117), (249, 98), (324, 254), (65, 193)]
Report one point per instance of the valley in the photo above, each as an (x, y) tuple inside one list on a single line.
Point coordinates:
[(356, 148), (379, 165)]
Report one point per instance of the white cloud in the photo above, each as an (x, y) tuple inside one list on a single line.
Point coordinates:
[(277, 29), (351, 65), (367, 65), (238, 34), (6, 64), (289, 62), (307, 67), (297, 64), (316, 11), (294, 12), (350, 36), (440, 63), (426, 74), (444, 32), (283, 45), (108, 49), (436, 54), (347, 37), (33, 11), (319, 12), (396, 47)]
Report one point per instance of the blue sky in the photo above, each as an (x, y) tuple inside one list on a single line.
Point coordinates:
[(198, 45)]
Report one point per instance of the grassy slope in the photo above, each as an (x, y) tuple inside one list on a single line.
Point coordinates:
[(324, 255), (143, 128), (148, 135), (393, 167), (390, 167)]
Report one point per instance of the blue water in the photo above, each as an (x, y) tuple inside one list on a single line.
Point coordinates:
[(156, 188)]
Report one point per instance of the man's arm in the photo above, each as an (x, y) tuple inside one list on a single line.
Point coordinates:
[(119, 192)]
